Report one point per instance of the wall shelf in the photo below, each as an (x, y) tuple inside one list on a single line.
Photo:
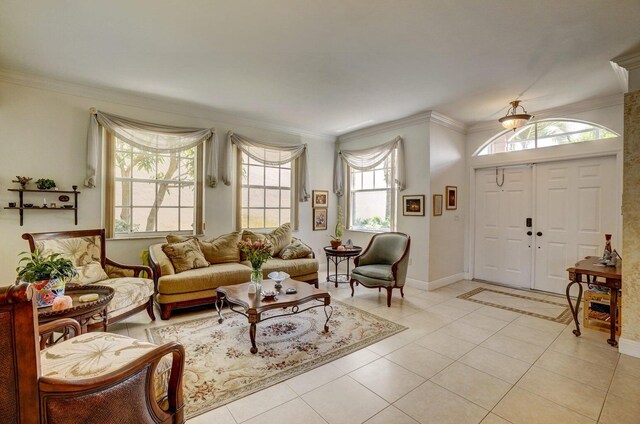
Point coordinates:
[(21, 208)]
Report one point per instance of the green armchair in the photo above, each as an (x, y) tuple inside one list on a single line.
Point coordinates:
[(383, 264)]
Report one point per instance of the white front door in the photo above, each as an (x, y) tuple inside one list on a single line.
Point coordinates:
[(502, 246), (576, 204)]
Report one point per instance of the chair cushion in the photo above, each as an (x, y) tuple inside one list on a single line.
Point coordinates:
[(204, 278), (293, 267), (79, 250), (378, 272), (94, 354), (185, 255), (129, 291), (89, 273)]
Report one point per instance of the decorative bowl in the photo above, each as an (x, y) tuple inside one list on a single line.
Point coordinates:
[(28, 205), (278, 277), (67, 206), (269, 295)]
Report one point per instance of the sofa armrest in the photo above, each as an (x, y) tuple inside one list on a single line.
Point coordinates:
[(160, 262), (66, 326), (115, 269)]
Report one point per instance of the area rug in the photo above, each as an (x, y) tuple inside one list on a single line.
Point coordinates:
[(521, 303), (220, 369)]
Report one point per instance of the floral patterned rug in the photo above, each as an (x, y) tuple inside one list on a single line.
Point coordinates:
[(220, 369)]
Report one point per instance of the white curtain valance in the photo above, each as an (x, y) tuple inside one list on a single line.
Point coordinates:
[(150, 137), (269, 154), (366, 159)]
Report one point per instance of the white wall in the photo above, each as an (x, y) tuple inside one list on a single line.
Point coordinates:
[(43, 135), (416, 150), (446, 241)]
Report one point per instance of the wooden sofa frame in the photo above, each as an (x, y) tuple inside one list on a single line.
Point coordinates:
[(32, 238)]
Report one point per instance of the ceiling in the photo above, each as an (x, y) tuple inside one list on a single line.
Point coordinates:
[(329, 65)]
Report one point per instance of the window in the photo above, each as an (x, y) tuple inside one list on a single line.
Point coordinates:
[(371, 197), (153, 193), (546, 133), (266, 193)]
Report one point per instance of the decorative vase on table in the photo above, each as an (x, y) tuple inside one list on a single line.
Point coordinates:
[(48, 275), (257, 253)]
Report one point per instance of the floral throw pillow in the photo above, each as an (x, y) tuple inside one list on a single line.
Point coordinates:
[(185, 255), (89, 273), (295, 250)]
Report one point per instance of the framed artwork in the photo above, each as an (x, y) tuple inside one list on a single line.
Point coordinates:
[(452, 197), (437, 204), (413, 205), (320, 199), (319, 219)]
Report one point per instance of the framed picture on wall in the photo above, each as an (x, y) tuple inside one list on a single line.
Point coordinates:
[(413, 205), (452, 197), (320, 199), (319, 219), (437, 204)]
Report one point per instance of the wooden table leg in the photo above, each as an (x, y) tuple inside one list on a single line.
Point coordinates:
[(252, 335), (576, 309), (613, 313)]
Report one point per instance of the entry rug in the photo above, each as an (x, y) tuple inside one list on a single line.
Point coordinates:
[(220, 369), (521, 303)]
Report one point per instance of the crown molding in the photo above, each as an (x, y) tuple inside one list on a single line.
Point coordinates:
[(629, 61), (148, 101), (419, 118), (558, 112)]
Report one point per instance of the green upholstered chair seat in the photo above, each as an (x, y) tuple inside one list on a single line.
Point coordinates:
[(379, 272)]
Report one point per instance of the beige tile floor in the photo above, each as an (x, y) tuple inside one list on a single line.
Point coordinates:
[(459, 362)]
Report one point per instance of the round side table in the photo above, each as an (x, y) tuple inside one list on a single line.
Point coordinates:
[(338, 256)]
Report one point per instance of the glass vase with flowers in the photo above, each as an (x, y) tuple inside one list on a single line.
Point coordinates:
[(257, 253)]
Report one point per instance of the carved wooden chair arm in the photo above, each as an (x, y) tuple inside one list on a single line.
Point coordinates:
[(106, 387), (135, 268), (62, 325)]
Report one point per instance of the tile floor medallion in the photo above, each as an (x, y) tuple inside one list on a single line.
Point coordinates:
[(520, 303), (220, 369)]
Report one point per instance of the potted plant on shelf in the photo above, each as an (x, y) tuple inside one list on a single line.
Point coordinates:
[(23, 181), (45, 184), (336, 238), (47, 275)]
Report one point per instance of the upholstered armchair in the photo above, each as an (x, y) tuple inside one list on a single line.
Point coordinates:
[(383, 264), (86, 249), (90, 378)]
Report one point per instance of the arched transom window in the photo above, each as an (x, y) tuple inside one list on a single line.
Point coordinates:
[(546, 133)]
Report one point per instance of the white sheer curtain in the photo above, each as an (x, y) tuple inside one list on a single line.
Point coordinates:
[(149, 137), (269, 154), (367, 159)]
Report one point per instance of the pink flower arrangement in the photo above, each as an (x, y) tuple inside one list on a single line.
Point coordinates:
[(257, 252)]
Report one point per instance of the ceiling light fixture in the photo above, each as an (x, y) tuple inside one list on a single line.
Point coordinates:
[(513, 119)]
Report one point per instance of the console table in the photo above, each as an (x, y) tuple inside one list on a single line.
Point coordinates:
[(599, 275)]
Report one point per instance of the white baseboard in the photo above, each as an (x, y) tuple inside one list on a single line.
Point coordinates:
[(418, 284), (629, 347), (467, 276), (441, 282)]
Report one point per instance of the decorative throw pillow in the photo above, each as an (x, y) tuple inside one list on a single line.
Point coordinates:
[(175, 238), (295, 250), (222, 249), (185, 255), (89, 273), (279, 238)]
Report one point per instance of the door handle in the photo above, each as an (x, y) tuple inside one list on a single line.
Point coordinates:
[(539, 233), (529, 233)]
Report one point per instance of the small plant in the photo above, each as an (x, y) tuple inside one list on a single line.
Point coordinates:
[(339, 228), (23, 181), (45, 184), (34, 267)]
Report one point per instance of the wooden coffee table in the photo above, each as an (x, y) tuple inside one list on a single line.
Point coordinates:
[(252, 305)]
